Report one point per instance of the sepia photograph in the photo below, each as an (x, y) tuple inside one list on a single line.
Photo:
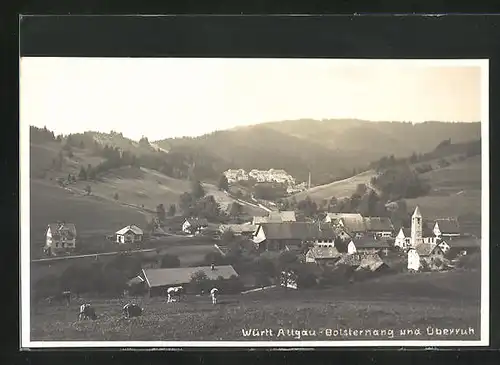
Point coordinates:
[(254, 202)]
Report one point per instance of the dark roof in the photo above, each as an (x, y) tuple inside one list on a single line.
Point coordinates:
[(197, 222), (351, 260), (425, 249), (297, 230), (182, 275), (324, 253), (62, 229), (378, 224), (369, 242), (463, 242), (448, 225), (371, 262), (407, 232)]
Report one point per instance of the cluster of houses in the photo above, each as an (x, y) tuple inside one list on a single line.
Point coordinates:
[(340, 238), (359, 241), (271, 175)]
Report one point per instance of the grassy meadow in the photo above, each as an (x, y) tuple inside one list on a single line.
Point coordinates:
[(403, 301)]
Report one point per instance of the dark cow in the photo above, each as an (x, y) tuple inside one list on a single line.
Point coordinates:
[(86, 312), (132, 310)]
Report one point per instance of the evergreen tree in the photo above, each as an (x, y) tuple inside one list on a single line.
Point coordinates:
[(160, 212), (197, 190), (83, 174), (223, 183), (171, 210)]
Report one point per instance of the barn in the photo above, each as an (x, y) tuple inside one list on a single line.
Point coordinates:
[(324, 256), (368, 245), (157, 281)]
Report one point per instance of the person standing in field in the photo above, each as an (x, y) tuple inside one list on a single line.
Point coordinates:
[(214, 293)]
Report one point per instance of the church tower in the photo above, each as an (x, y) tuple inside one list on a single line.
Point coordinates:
[(416, 228)]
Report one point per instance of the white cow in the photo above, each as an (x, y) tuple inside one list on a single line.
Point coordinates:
[(214, 293), (174, 293)]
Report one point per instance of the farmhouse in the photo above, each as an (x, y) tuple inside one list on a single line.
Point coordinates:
[(460, 246), (60, 238), (129, 234), (368, 245), (354, 226), (291, 235), (446, 227), (323, 255), (157, 281), (379, 226), (426, 254), (194, 225)]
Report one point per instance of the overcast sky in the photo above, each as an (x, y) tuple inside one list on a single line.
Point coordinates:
[(168, 97)]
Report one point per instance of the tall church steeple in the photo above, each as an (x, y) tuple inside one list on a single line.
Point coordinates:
[(416, 228)]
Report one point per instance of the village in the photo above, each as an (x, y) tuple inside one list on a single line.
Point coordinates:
[(305, 253)]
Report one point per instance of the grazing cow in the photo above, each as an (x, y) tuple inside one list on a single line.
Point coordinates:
[(174, 293), (132, 310), (86, 312), (214, 293)]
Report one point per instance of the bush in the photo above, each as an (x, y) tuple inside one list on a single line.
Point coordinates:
[(170, 261)]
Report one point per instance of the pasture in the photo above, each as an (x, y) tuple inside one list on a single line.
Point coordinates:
[(403, 301), (339, 189), (456, 191)]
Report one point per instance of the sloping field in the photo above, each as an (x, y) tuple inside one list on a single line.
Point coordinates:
[(456, 191), (418, 303), (338, 189), (91, 215)]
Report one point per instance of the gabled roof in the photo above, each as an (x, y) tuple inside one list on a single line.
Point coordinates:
[(324, 253), (335, 216), (425, 249), (297, 231), (62, 229), (371, 262), (177, 276), (406, 231), (448, 225), (133, 228), (197, 222), (354, 224), (463, 242), (369, 242), (238, 228), (378, 224), (351, 260)]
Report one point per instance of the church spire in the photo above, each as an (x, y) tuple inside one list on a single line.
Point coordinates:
[(417, 213)]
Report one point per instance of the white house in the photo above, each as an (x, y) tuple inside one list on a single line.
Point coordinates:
[(60, 238), (413, 260), (194, 225), (129, 234)]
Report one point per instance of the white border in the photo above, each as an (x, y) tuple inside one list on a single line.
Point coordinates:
[(24, 186)]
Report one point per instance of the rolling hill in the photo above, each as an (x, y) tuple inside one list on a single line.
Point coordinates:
[(330, 149), (456, 191), (122, 196)]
